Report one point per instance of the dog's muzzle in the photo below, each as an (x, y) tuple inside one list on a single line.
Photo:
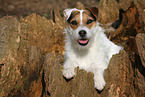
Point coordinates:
[(83, 41)]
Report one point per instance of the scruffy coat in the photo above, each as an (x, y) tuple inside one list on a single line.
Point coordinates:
[(93, 58)]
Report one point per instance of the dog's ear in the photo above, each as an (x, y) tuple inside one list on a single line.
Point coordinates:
[(94, 11), (67, 12)]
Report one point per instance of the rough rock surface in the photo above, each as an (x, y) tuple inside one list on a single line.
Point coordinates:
[(21, 65), (54, 81), (119, 76), (140, 40), (140, 68), (9, 43), (32, 48)]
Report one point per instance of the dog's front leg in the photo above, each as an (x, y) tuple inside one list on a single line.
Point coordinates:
[(69, 69), (99, 81)]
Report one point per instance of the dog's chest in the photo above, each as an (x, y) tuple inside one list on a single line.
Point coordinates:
[(94, 58)]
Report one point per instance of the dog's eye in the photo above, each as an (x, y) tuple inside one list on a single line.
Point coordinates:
[(74, 22), (89, 21)]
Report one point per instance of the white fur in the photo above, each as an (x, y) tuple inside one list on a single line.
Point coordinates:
[(67, 12), (93, 58), (81, 17)]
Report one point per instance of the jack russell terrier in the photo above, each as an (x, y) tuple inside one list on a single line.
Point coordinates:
[(87, 47)]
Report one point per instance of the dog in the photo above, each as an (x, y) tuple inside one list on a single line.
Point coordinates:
[(87, 47)]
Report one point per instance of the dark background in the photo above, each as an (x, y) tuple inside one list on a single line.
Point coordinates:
[(24, 8)]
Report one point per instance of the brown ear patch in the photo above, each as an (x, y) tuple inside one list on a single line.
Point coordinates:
[(94, 11)]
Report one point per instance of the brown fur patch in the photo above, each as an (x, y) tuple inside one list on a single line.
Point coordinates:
[(86, 17), (75, 16)]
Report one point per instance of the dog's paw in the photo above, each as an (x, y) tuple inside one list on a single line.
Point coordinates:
[(68, 73), (99, 84)]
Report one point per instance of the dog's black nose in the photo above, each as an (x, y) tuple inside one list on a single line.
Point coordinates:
[(82, 33)]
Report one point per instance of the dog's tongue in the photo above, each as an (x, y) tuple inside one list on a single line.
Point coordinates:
[(83, 41)]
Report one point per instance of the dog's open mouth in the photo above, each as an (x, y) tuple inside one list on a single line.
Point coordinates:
[(83, 42)]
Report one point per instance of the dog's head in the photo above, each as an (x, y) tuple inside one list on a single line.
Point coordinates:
[(81, 24)]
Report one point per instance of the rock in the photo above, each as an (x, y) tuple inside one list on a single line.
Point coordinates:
[(83, 84), (79, 5), (143, 17), (9, 43), (108, 11), (129, 27), (125, 4), (31, 71), (21, 66), (44, 33), (9, 36), (56, 86), (140, 40), (119, 76), (140, 5), (140, 67)]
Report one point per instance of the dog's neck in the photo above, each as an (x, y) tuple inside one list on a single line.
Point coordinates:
[(77, 50)]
